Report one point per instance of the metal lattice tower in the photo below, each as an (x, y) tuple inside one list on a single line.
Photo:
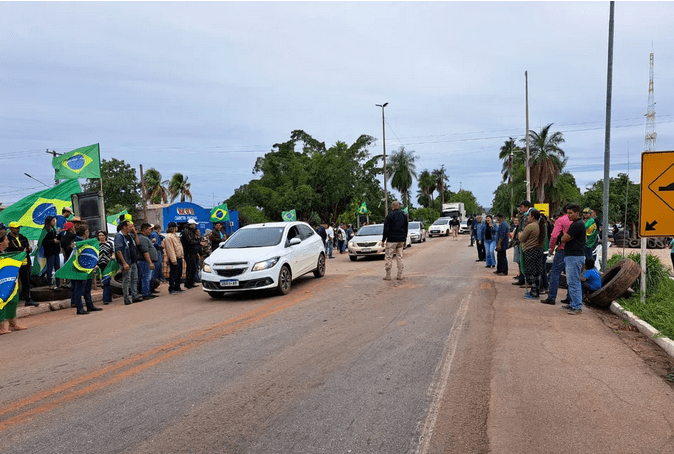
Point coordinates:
[(651, 135)]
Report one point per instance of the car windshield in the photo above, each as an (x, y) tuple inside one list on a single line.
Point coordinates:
[(441, 222), (371, 230), (255, 237), (414, 225)]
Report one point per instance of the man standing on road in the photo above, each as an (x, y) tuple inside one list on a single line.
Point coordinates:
[(479, 239), (502, 239), (454, 224), (469, 224), (562, 225), (591, 233), (127, 252), (331, 240), (574, 259), (523, 208), (395, 235), (146, 261), (190, 242)]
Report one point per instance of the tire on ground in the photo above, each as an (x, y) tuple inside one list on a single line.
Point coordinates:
[(615, 282), (116, 284), (651, 243), (635, 243)]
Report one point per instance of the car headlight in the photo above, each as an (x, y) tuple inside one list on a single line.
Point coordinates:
[(351, 244), (207, 268), (380, 244), (259, 266)]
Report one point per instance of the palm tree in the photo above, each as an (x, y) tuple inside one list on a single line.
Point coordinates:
[(402, 170), (179, 187), (440, 179), (426, 184), (547, 159), (510, 154), (155, 190)]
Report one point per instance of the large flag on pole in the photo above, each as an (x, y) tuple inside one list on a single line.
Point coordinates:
[(362, 209), (84, 162), (9, 272), (39, 260), (82, 261), (289, 216), (31, 211), (220, 213)]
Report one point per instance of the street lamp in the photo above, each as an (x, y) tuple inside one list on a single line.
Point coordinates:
[(383, 142)]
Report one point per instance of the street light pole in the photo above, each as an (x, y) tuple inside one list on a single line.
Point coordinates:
[(526, 89), (383, 142)]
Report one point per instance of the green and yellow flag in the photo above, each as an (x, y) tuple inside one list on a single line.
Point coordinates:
[(84, 162), (39, 260), (31, 211), (289, 216), (114, 219), (220, 213), (362, 209), (405, 210), (82, 261), (9, 272)]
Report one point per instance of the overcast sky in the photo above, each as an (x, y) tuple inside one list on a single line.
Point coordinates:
[(206, 88)]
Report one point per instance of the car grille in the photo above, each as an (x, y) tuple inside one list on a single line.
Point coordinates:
[(230, 273), (370, 244), (230, 269)]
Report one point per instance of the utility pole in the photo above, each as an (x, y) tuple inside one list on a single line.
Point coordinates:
[(526, 89), (143, 194), (607, 139), (649, 145), (383, 142), (54, 154)]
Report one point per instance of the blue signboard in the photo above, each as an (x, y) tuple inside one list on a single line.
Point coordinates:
[(181, 212)]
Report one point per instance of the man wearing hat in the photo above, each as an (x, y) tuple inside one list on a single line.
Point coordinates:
[(19, 243), (591, 233), (523, 208), (61, 219), (190, 242)]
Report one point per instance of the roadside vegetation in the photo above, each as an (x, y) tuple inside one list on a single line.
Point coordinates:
[(658, 310)]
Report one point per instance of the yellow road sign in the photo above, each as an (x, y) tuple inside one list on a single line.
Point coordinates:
[(656, 213)]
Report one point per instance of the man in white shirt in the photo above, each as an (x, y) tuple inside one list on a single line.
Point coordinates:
[(331, 240)]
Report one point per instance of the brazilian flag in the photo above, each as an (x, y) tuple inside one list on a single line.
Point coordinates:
[(362, 209), (82, 261), (114, 219), (220, 213), (84, 162), (109, 272), (31, 211), (9, 272), (39, 260), (289, 216)]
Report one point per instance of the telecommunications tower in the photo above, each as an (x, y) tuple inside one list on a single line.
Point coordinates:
[(651, 135)]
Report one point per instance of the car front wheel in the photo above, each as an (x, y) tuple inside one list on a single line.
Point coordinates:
[(320, 266), (284, 280)]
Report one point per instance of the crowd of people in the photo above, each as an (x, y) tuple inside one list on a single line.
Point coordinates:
[(335, 236), (570, 237), (139, 253)]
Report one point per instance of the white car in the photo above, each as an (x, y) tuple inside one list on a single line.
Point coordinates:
[(367, 241), (417, 231), (439, 227), (463, 228), (264, 256)]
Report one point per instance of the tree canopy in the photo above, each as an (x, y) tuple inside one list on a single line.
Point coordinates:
[(120, 185)]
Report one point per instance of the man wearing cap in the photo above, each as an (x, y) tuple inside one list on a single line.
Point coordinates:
[(126, 251), (523, 208), (19, 243), (66, 238), (61, 219), (146, 259), (591, 233), (502, 239), (190, 242)]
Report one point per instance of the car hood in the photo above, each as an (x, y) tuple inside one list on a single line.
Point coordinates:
[(252, 254), (366, 238)]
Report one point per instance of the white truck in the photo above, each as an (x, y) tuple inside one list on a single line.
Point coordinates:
[(456, 209)]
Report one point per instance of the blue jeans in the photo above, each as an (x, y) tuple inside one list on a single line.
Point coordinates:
[(81, 288), (53, 264), (328, 248), (574, 266), (555, 272), (145, 276), (130, 283), (158, 266), (107, 291), (489, 246)]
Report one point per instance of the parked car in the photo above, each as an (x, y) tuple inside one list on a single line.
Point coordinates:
[(264, 256), (367, 242), (439, 227), (463, 228), (417, 231)]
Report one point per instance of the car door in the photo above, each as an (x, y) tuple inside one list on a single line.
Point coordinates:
[(294, 251), (312, 247)]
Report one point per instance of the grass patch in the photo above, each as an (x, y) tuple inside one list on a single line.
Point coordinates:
[(658, 310)]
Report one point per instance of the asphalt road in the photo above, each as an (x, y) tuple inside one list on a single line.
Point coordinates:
[(345, 363)]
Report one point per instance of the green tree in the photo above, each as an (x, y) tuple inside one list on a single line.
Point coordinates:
[(563, 191), (507, 196), (623, 201), (251, 215), (468, 199), (441, 180), (426, 184), (546, 159), (120, 186), (511, 155), (179, 186), (156, 190), (402, 170)]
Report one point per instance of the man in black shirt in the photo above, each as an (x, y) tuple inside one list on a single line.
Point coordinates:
[(395, 236), (574, 259)]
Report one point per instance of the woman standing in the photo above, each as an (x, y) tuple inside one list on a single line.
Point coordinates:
[(52, 250), (9, 311), (489, 241), (532, 239), (106, 250), (175, 255)]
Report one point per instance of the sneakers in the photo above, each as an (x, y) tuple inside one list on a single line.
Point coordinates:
[(529, 296), (575, 311), (548, 301), (567, 307)]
